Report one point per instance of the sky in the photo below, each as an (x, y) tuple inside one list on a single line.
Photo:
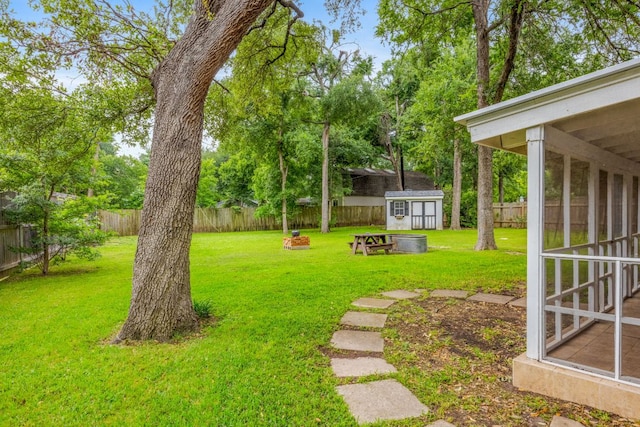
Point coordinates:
[(364, 38), (314, 10)]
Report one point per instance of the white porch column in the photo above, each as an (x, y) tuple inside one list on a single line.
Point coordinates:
[(594, 203), (535, 233)]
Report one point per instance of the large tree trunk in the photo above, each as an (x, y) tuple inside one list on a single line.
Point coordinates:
[(457, 185), (324, 227), (385, 138), (284, 171), (395, 160), (161, 302), (46, 253), (486, 239), (94, 168), (398, 165)]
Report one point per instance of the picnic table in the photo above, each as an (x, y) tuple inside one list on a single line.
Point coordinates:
[(371, 242)]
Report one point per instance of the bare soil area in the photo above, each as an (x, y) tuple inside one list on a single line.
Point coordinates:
[(458, 355)]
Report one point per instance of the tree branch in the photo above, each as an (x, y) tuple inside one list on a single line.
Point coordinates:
[(143, 34), (594, 22), (631, 16), (263, 23), (223, 87), (299, 14), (518, 10), (291, 5), (435, 12)]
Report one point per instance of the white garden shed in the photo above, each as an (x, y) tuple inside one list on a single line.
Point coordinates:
[(582, 140), (414, 210)]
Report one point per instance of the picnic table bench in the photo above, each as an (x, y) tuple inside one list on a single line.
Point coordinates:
[(371, 242)]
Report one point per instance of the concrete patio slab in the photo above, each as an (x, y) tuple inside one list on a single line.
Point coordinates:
[(362, 319), (575, 386), (520, 303), (449, 293), (373, 303), (491, 298), (401, 294), (381, 400), (358, 341), (361, 366)]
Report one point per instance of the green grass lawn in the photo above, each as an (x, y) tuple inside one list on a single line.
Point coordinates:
[(259, 364)]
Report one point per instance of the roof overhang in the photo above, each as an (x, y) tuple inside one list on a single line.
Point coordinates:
[(414, 195), (604, 105)]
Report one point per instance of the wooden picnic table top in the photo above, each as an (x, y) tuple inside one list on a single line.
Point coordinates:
[(368, 242)]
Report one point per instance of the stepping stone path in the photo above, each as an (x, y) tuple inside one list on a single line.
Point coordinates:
[(441, 423), (373, 303), (446, 293), (559, 421), (491, 298), (387, 399), (360, 318), (381, 400), (400, 294), (358, 341), (520, 302), (361, 366)]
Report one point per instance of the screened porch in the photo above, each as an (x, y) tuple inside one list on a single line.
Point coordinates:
[(582, 142), (591, 320)]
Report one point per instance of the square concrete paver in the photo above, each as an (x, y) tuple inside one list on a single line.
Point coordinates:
[(520, 302), (449, 293), (441, 423), (491, 298), (559, 421), (358, 341), (362, 319), (381, 400), (400, 294), (373, 303), (361, 366)]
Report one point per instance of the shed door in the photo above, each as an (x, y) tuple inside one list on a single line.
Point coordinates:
[(423, 215)]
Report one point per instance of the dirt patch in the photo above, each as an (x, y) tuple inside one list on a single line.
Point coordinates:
[(457, 356)]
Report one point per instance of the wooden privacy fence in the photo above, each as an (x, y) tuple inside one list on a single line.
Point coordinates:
[(554, 216), (514, 215), (9, 237), (510, 215), (127, 222), (12, 236)]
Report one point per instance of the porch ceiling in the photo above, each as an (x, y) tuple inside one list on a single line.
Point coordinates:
[(615, 129), (601, 109)]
